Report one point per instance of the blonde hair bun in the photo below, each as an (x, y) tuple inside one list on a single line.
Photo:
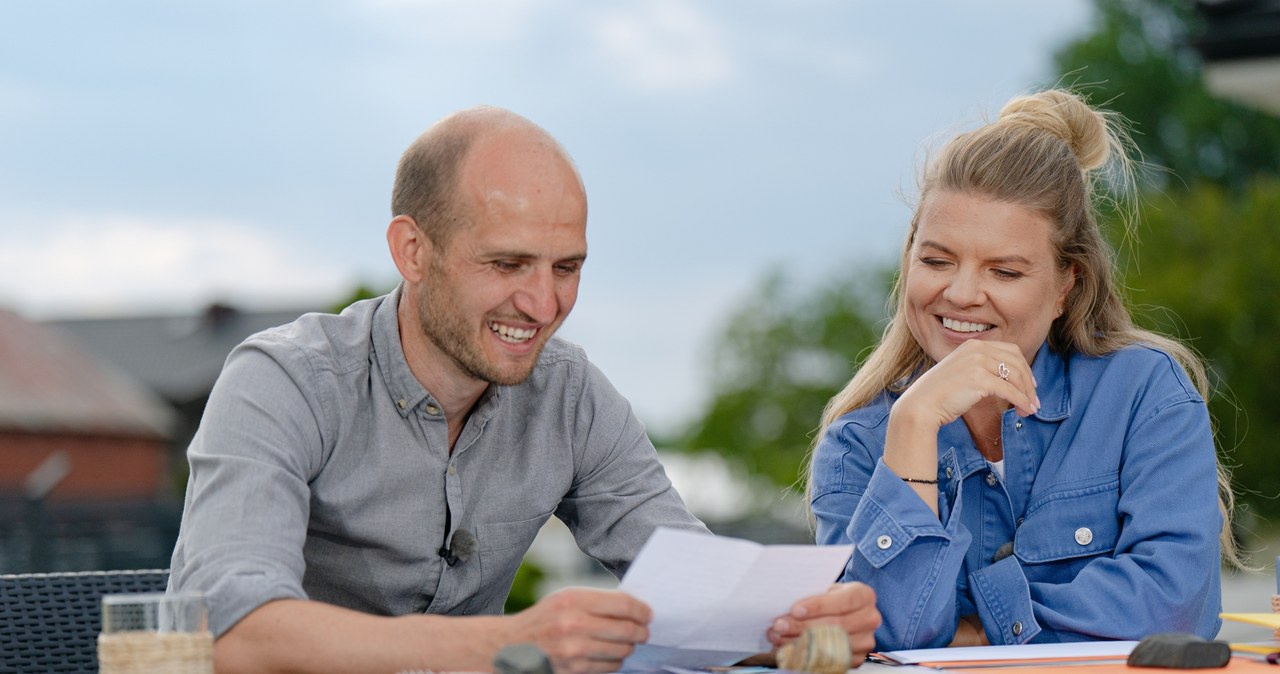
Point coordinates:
[(1067, 116)]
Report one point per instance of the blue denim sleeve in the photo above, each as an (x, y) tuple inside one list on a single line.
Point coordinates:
[(1165, 552), (901, 549)]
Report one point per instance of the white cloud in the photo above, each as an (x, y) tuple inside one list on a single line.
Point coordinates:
[(664, 46), (96, 264)]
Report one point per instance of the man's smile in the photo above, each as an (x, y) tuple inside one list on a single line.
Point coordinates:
[(511, 334)]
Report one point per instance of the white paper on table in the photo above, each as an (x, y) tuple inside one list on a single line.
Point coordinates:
[(715, 593), (1081, 649)]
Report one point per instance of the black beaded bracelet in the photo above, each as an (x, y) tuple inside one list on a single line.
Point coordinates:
[(912, 479)]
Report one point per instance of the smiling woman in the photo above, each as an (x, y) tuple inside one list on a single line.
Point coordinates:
[(1015, 450)]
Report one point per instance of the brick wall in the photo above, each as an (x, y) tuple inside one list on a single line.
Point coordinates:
[(102, 467)]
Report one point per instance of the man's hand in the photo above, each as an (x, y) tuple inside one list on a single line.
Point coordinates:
[(852, 606), (584, 631)]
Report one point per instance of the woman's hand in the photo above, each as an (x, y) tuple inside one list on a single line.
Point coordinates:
[(976, 370), (850, 606)]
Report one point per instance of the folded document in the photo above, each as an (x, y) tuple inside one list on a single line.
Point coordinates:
[(713, 597)]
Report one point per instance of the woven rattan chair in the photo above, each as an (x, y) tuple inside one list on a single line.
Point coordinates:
[(49, 622)]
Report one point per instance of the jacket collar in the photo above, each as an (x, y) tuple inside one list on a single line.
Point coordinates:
[(1050, 371)]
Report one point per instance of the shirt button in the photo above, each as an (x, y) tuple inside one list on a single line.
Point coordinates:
[(991, 479), (884, 542), (432, 408), (1084, 536), (401, 403), (453, 470), (1017, 628), (1018, 425)]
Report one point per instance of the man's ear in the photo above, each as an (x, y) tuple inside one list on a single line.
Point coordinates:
[(411, 248)]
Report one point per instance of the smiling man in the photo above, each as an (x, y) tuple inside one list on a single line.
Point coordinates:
[(364, 486)]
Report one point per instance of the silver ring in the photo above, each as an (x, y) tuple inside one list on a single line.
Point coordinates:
[(1003, 371)]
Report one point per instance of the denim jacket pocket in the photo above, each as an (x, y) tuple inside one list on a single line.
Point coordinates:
[(1072, 523)]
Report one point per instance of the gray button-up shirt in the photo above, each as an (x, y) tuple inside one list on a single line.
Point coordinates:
[(321, 470)]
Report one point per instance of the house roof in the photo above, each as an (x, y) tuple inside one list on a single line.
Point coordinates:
[(48, 383), (178, 357)]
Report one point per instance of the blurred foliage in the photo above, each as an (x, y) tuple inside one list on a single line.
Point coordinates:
[(781, 356), (1209, 267), (1139, 62), (524, 590), (360, 292), (1207, 261), (1209, 274)]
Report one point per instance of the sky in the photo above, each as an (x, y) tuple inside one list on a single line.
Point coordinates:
[(156, 156)]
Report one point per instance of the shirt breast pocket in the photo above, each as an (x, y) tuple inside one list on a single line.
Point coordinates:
[(501, 547), (1068, 524)]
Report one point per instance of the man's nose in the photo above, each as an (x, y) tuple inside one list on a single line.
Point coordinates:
[(537, 297)]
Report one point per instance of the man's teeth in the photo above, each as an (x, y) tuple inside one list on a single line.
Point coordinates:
[(512, 335), (964, 326)]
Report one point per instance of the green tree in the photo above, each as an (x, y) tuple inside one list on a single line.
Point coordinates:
[(780, 357), (1209, 275), (360, 292), (1205, 267), (1139, 62)]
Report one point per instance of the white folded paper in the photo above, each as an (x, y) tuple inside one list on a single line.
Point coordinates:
[(718, 595)]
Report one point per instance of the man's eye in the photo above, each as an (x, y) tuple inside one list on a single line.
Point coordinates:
[(567, 269), (505, 265)]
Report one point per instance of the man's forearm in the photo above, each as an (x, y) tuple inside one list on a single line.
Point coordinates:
[(291, 635)]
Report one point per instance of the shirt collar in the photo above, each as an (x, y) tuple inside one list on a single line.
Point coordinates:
[(405, 390)]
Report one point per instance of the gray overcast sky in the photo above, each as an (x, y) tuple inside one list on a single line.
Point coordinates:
[(155, 156)]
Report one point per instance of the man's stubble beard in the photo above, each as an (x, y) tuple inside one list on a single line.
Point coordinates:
[(451, 334)]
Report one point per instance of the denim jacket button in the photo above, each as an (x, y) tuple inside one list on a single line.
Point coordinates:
[(948, 472), (1018, 425), (1084, 536), (883, 542), (1017, 628), (991, 479)]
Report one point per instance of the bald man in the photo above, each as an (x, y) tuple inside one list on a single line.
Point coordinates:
[(364, 486)]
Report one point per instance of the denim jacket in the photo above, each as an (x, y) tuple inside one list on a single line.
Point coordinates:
[(1109, 499)]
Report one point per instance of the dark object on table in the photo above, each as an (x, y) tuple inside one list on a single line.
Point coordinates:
[(1178, 650), (521, 659)]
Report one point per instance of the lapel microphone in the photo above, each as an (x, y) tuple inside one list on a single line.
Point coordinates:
[(460, 549)]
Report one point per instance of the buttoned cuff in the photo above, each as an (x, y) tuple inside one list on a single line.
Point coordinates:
[(1003, 599), (889, 517)]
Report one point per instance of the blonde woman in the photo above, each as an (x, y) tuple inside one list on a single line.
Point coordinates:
[(1016, 461)]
